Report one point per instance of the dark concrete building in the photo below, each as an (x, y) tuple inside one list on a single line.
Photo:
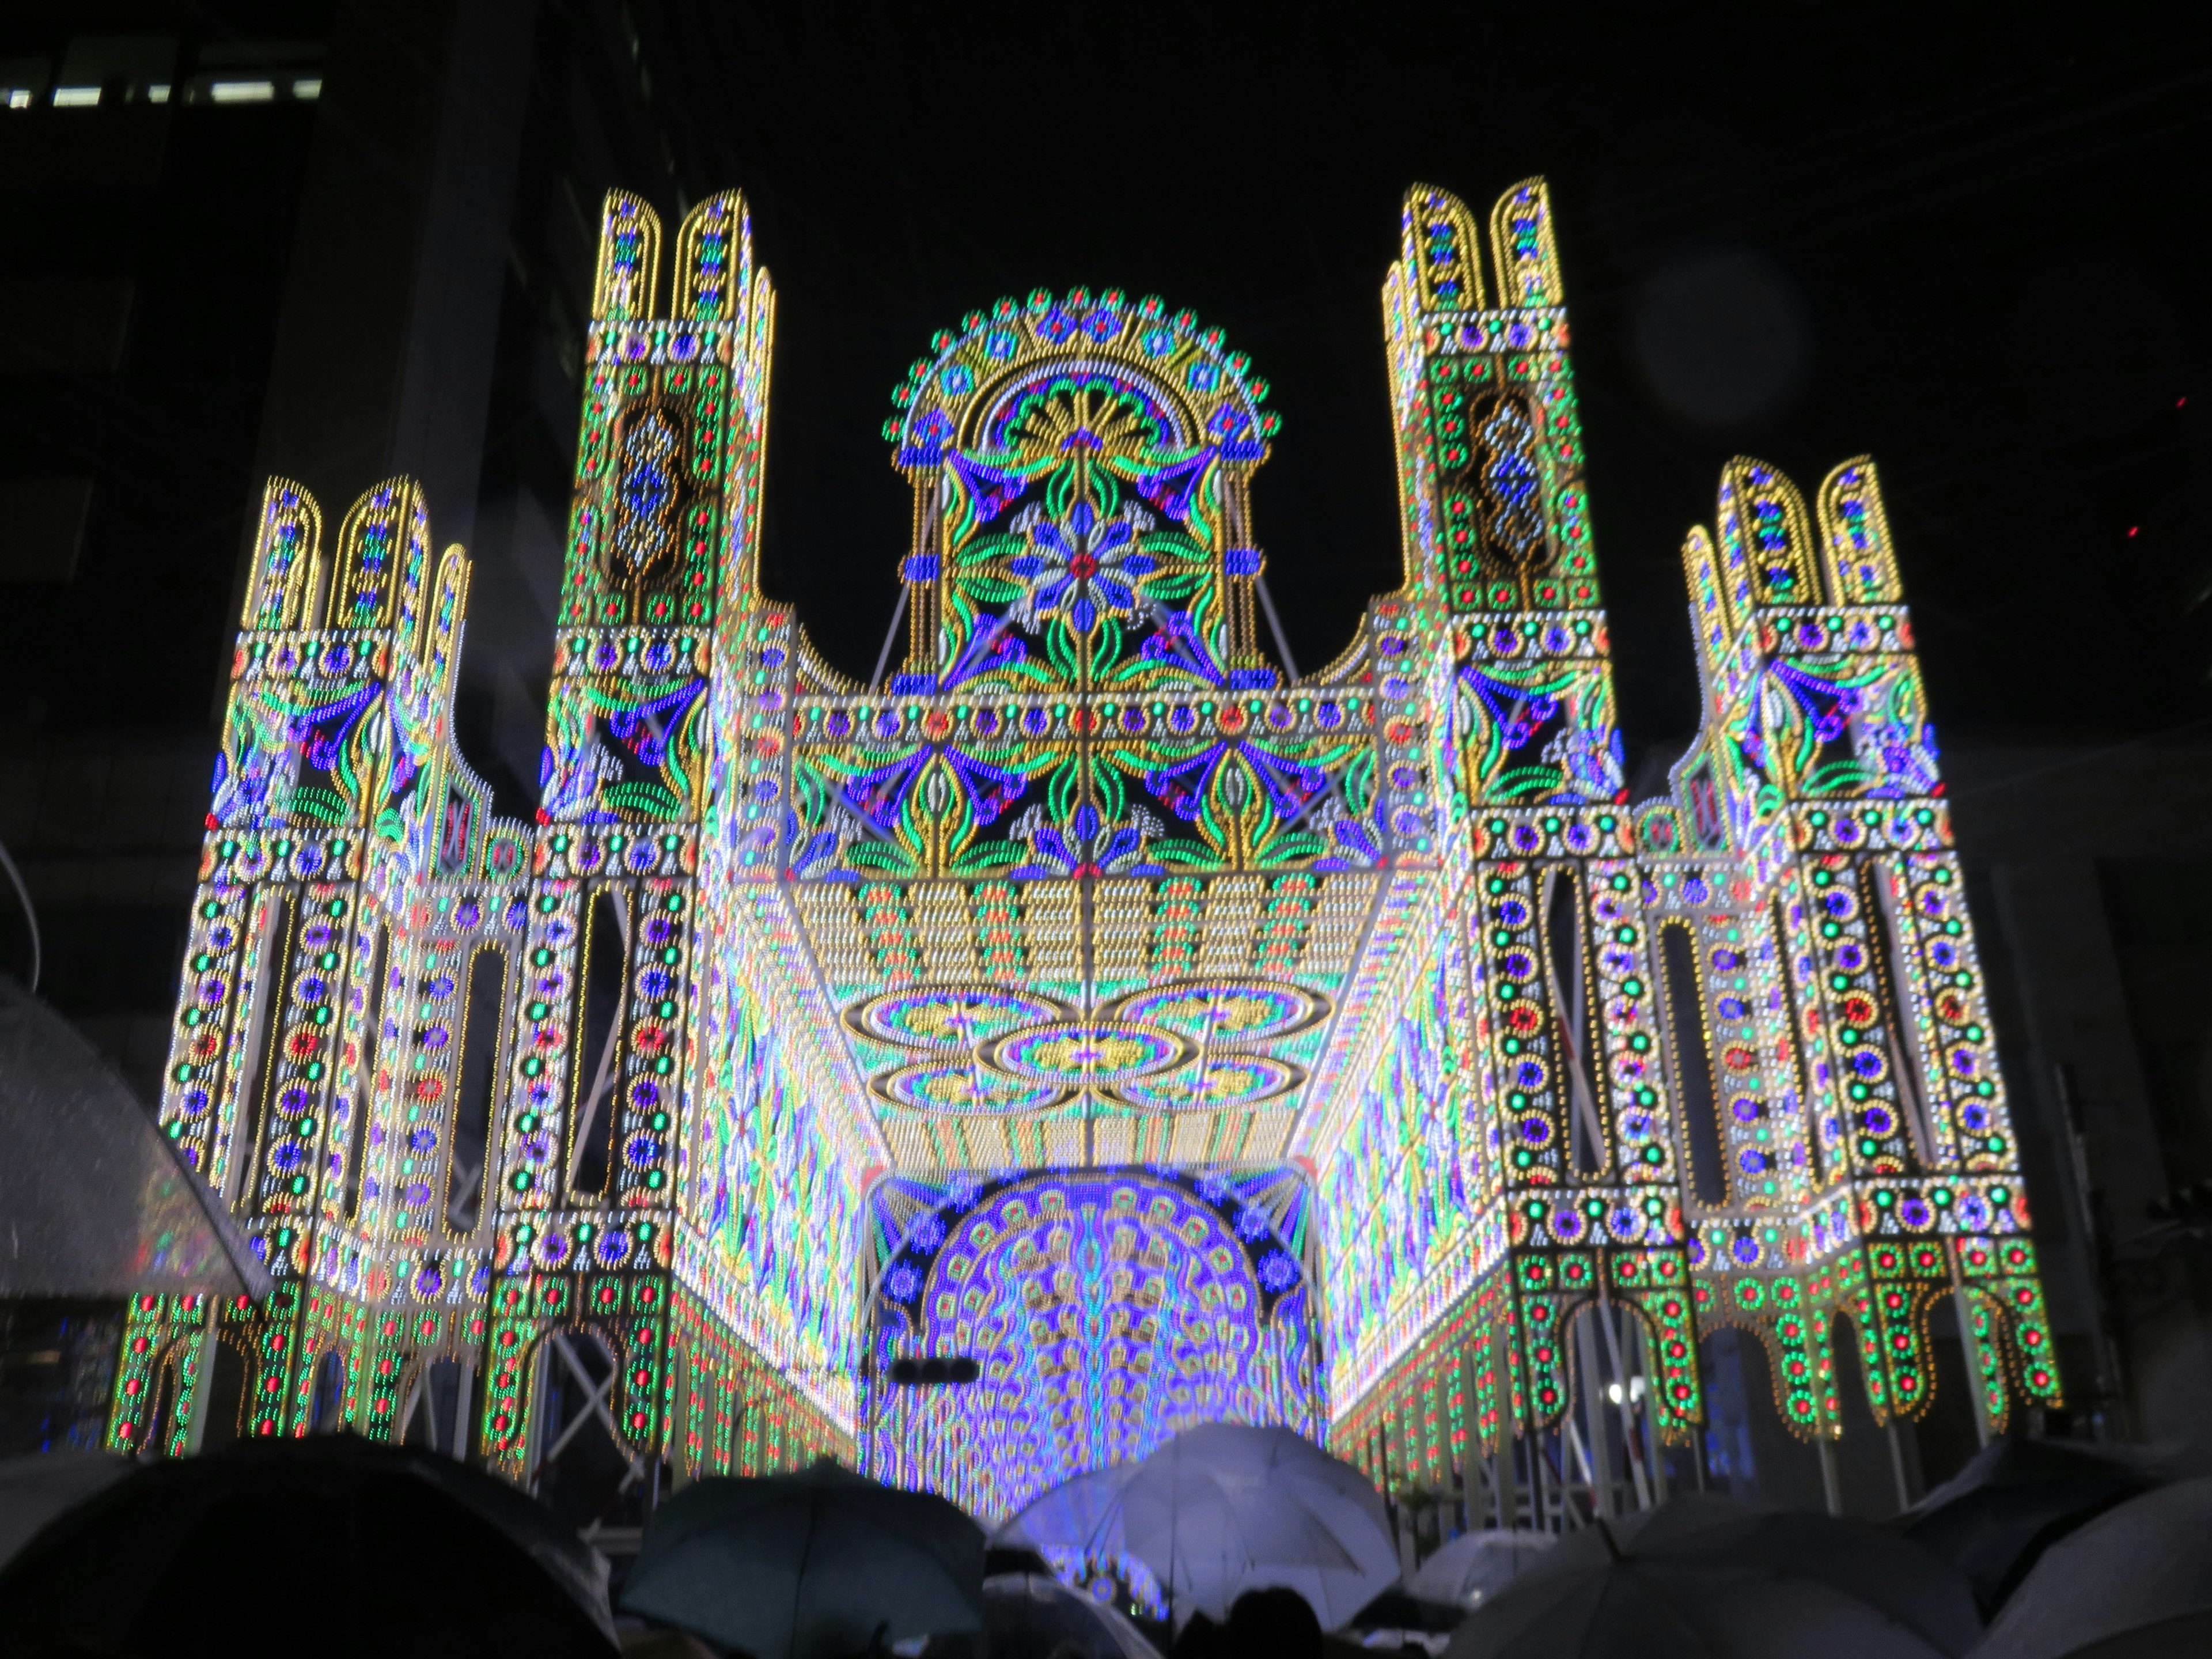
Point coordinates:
[(331, 242), (336, 241)]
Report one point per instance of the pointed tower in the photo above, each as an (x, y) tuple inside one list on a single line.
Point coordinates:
[(340, 807), (1498, 1175), (1852, 1154), (1723, 1059), (504, 1107)]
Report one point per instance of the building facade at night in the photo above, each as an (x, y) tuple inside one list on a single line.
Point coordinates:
[(1088, 993)]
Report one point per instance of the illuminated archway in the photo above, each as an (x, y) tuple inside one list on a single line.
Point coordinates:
[(1106, 1310)]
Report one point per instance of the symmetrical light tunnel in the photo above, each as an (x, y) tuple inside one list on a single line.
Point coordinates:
[(1176, 1038)]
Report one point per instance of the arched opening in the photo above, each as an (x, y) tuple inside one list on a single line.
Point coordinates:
[(1749, 1451), (1892, 974), (261, 1065), (1609, 1445), (1878, 1465), (1684, 1006), (579, 1465), (1785, 973), (226, 1399), (481, 1023), (160, 1421), (326, 1405), (436, 1411), (1948, 1433), (1566, 969), (605, 987), (364, 1101)]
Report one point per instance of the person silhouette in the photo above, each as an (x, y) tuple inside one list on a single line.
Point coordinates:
[(1272, 1624)]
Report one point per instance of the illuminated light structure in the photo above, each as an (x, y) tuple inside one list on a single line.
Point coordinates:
[(1722, 1058), (1089, 996), (525, 1100)]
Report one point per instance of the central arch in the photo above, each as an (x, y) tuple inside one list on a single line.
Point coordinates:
[(1105, 1311)]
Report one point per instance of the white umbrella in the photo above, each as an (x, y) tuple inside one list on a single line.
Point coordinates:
[(1476, 1564), (1072, 1515), (98, 1202), (1226, 1507)]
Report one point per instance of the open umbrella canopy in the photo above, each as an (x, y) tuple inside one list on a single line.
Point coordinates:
[(1994, 1519), (1478, 1565), (2138, 1580), (1225, 1507), (95, 1199), (1072, 1515), (1700, 1578), (356, 1547), (1032, 1616), (817, 1564)]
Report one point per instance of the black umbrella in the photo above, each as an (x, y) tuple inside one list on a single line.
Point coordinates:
[(814, 1564), (1397, 1608), (37, 1486), (1701, 1577), (1994, 1519), (2136, 1581), (336, 1544)]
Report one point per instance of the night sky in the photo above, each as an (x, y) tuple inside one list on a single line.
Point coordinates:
[(1972, 241)]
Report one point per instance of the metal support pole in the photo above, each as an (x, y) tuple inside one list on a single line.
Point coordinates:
[(1275, 626), (1897, 1468), (1831, 1478), (464, 1402), (2111, 1383), (1627, 1402), (1654, 1455), (1593, 1392)]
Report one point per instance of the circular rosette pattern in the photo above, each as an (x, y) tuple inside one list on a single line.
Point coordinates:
[(967, 1088), (951, 1017), (1209, 1013), (1220, 1083), (1087, 1054)]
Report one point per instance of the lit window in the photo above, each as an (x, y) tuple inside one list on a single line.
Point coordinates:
[(76, 97), (242, 92), (158, 93), (19, 98), (309, 90)]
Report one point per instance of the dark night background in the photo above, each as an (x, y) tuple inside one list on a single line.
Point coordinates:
[(1802, 231), (1969, 240)]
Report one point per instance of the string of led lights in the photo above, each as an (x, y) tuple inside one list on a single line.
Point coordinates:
[(1088, 999)]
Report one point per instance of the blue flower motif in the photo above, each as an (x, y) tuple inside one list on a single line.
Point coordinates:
[(1083, 567), (1086, 845)]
